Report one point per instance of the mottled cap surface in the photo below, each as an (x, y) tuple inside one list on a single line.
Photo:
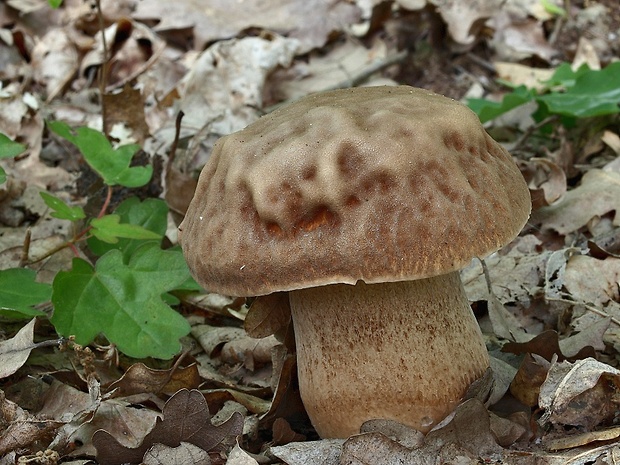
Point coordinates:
[(375, 184)]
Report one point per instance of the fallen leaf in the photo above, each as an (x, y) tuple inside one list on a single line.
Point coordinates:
[(547, 345), (139, 378), (284, 434), (580, 393), (185, 453), (577, 440), (15, 351), (186, 418), (238, 456), (598, 194), (54, 61), (267, 315), (309, 21), (325, 452), (19, 429)]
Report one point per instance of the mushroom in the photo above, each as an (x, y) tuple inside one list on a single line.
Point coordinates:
[(362, 203)]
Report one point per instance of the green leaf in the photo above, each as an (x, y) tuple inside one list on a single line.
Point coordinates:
[(552, 8), (151, 214), (61, 210), (109, 228), (19, 293), (8, 149), (54, 3), (111, 164), (488, 110), (123, 301), (594, 93)]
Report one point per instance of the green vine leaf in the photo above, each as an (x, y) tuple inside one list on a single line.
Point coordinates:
[(123, 301), (19, 293), (61, 210), (109, 228), (111, 164)]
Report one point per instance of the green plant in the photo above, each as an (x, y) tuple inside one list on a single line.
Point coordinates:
[(568, 94), (8, 149), (126, 295)]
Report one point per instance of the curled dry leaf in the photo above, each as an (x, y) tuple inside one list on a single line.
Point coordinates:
[(134, 48), (139, 378), (525, 386), (546, 180), (238, 456), (577, 440), (580, 393), (598, 194), (15, 351)]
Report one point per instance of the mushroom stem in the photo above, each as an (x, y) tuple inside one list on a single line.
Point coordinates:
[(405, 351)]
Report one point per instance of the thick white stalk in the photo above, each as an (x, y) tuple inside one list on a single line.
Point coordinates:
[(405, 351)]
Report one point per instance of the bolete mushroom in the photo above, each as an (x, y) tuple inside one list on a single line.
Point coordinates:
[(363, 204)]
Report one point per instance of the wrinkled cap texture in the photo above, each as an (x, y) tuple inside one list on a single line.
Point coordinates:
[(377, 184)]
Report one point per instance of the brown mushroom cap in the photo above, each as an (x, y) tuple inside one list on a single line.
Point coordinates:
[(378, 184)]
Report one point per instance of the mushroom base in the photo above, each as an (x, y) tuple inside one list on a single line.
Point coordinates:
[(405, 351)]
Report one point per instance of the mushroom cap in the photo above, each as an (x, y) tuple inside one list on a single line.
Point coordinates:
[(377, 184)]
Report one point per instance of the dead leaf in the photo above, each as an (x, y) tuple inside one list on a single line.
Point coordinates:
[(612, 140), (19, 429), (325, 452), (250, 351), (213, 102), (518, 36), (310, 22), (284, 434), (577, 440), (598, 194), (460, 16), (139, 378), (213, 338), (547, 345), (547, 182), (15, 351), (374, 449), (238, 456), (580, 393), (522, 75), (531, 374), (186, 418), (593, 281), (268, 314), (185, 453), (404, 435), (586, 55), (54, 61)]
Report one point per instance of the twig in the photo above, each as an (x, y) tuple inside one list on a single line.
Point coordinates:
[(529, 131), (104, 64), (25, 248), (590, 308)]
